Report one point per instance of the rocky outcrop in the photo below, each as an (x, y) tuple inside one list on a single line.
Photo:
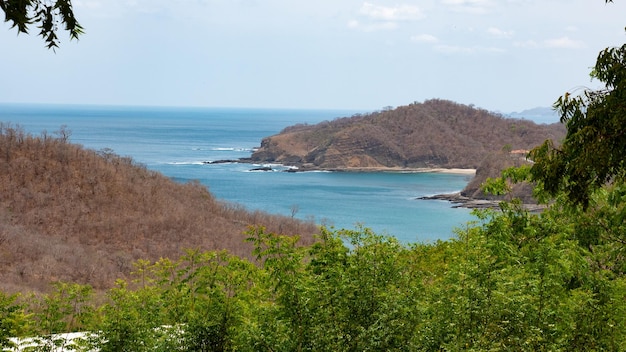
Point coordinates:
[(461, 201), (472, 196)]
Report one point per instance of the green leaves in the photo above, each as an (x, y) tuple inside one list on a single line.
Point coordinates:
[(513, 281), (591, 155), (16, 11), (48, 16), (13, 320)]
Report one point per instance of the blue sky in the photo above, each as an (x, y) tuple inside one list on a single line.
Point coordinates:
[(501, 55)]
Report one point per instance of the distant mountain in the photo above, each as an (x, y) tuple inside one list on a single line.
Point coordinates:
[(433, 134), (544, 115)]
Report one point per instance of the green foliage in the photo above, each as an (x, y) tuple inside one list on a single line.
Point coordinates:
[(222, 288), (592, 153), (511, 281), (198, 303), (132, 320), (67, 308), (45, 14), (13, 320)]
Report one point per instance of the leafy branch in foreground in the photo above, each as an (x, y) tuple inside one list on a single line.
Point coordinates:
[(592, 154), (47, 15)]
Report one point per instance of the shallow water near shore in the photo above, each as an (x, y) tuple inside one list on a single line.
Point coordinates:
[(179, 142)]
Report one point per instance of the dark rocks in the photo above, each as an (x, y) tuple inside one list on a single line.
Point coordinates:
[(461, 201), (464, 202), (262, 168), (225, 161)]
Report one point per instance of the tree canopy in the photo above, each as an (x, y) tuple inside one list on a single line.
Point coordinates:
[(48, 16), (592, 153)]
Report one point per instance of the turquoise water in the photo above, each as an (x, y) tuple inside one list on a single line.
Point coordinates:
[(177, 142)]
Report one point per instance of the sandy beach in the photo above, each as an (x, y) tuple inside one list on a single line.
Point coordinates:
[(457, 171), (452, 171)]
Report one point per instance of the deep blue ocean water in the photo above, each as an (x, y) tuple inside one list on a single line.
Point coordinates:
[(176, 142)]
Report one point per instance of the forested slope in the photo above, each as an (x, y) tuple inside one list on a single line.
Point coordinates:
[(72, 214), (435, 133)]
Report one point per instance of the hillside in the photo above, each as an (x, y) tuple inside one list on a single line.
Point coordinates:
[(432, 134), (492, 167), (73, 214), (473, 196)]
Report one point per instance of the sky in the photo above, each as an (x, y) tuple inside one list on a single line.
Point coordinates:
[(499, 55)]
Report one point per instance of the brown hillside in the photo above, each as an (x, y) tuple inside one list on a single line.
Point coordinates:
[(72, 214), (436, 133)]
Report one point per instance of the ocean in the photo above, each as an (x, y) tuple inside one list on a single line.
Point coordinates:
[(179, 141)]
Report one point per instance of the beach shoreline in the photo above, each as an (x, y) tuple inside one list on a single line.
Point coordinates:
[(310, 167), (456, 171)]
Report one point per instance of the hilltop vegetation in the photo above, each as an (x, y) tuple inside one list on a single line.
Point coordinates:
[(72, 214), (432, 134), (518, 282)]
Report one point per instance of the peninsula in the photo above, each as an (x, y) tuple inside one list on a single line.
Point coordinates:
[(436, 134)]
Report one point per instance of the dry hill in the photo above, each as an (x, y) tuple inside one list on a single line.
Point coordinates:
[(73, 214), (433, 134)]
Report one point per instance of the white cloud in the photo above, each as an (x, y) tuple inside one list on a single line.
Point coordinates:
[(464, 2), (424, 38), (119, 8), (564, 43), (469, 6), (467, 50), (499, 33), (97, 9), (454, 49), (396, 13), (88, 4), (556, 43), (378, 18), (493, 50), (526, 44), (372, 27)]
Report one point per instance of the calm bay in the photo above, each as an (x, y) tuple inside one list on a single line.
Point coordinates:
[(179, 142)]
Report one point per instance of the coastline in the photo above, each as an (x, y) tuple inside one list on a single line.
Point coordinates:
[(461, 201), (457, 171), (309, 167)]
